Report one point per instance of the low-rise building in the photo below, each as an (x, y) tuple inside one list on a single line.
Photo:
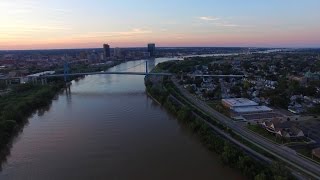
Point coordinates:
[(244, 106), (282, 128), (240, 108), (252, 109), (238, 102)]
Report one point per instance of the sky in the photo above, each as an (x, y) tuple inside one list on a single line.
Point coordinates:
[(55, 24)]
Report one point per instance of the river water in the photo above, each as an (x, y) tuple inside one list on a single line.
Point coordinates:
[(108, 128)]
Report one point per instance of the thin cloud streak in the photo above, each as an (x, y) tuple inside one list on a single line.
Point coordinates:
[(133, 32), (217, 21), (208, 18)]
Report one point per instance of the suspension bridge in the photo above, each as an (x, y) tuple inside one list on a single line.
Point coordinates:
[(125, 72), (66, 73)]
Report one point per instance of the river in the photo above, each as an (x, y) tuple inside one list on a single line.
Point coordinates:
[(108, 128)]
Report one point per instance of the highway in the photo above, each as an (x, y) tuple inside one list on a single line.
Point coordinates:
[(310, 168)]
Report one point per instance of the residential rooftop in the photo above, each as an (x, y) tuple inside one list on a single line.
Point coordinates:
[(239, 102)]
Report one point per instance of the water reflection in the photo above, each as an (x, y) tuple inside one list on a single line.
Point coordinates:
[(6, 151), (68, 95), (151, 63), (43, 110)]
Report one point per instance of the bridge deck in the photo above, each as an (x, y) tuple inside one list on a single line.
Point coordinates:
[(119, 73), (208, 75)]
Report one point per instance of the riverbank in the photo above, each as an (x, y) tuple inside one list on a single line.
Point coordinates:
[(230, 155), (17, 106), (23, 101)]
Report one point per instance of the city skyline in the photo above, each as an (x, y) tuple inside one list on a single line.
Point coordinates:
[(61, 24)]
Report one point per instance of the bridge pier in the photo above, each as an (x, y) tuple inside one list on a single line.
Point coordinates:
[(65, 71), (35, 80), (68, 89), (43, 81), (147, 67)]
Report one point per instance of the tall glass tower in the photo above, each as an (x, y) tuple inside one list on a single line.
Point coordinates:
[(106, 51), (152, 49)]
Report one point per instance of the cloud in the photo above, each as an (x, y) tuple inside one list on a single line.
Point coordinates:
[(209, 18), (216, 21), (133, 32)]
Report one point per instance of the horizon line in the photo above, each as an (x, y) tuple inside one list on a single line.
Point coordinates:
[(131, 47)]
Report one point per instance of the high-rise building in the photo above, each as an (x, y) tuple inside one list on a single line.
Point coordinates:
[(106, 51), (152, 49)]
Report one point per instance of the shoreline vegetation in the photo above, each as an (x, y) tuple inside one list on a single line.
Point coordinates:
[(165, 92), (18, 106)]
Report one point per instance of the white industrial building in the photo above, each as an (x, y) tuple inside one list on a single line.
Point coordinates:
[(239, 107), (238, 102), (252, 109)]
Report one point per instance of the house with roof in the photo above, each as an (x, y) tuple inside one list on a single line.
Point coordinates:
[(281, 128)]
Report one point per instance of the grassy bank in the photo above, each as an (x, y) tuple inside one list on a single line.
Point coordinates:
[(229, 154), (257, 129)]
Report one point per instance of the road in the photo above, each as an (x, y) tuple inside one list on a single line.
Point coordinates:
[(281, 153)]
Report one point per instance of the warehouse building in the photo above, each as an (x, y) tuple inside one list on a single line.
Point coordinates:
[(240, 108), (238, 103)]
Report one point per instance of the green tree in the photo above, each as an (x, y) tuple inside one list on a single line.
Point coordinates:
[(230, 155), (185, 114), (279, 171), (261, 176)]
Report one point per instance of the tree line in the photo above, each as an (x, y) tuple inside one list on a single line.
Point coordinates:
[(17, 106)]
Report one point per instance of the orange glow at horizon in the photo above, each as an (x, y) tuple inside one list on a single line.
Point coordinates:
[(161, 40)]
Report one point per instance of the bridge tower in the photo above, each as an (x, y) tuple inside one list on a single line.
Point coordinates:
[(65, 70), (147, 67)]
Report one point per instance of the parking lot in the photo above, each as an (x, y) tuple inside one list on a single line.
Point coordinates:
[(262, 116)]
